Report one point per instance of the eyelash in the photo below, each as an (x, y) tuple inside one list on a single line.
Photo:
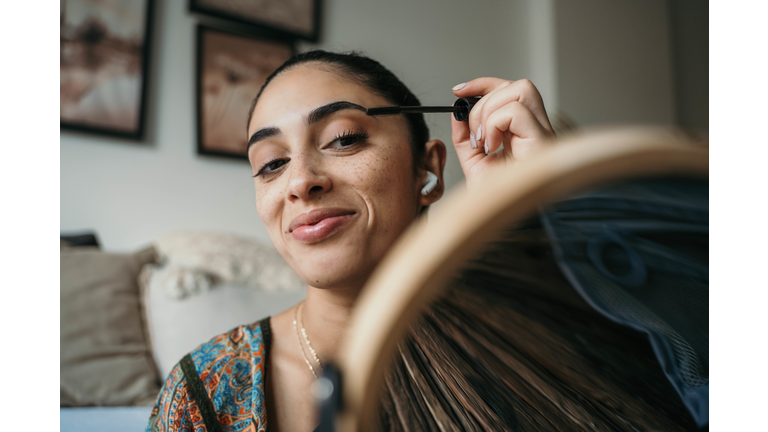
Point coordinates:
[(270, 162), (358, 135)]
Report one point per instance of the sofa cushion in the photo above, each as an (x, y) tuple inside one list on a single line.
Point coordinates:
[(177, 326), (215, 258), (105, 358), (100, 419)]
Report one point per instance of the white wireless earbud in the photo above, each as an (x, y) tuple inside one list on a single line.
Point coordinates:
[(430, 185)]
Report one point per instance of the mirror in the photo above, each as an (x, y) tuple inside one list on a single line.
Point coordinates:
[(573, 293)]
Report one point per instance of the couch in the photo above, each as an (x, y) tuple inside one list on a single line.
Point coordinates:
[(127, 319)]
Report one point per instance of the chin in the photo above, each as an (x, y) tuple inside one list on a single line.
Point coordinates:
[(334, 271)]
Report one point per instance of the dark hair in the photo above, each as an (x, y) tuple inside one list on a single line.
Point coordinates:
[(370, 74)]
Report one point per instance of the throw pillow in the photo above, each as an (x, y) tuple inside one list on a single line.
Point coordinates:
[(105, 358)]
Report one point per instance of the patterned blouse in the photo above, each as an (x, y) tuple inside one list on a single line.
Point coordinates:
[(219, 386)]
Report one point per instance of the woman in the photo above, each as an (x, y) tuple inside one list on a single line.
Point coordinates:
[(334, 188)]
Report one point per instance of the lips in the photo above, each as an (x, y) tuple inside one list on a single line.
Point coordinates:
[(319, 224)]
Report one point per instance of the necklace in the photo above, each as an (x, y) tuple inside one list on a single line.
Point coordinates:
[(306, 338), (298, 339)]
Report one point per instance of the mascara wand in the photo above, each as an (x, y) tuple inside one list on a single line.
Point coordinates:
[(460, 109)]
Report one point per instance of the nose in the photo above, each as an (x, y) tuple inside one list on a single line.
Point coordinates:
[(307, 180)]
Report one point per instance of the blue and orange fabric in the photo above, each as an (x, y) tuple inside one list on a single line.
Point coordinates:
[(232, 370)]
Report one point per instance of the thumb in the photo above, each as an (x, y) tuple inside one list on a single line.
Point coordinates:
[(459, 132)]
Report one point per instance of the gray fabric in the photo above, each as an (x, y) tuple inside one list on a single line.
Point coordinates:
[(638, 252), (105, 358)]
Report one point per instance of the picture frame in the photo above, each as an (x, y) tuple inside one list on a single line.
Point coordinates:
[(105, 52), (231, 68), (290, 18)]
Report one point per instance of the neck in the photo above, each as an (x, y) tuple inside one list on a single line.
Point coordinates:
[(326, 318)]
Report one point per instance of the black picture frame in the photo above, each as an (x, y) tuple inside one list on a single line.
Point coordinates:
[(312, 35), (237, 117), (135, 133)]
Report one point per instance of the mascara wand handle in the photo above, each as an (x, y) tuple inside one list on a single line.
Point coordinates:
[(465, 105)]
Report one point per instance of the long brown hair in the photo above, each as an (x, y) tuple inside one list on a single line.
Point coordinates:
[(511, 346)]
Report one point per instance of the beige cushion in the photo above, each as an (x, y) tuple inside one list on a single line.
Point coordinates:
[(178, 326), (105, 359), (196, 261)]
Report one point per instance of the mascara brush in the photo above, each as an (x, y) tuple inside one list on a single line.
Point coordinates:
[(460, 109)]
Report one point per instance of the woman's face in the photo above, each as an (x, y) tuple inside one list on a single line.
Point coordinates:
[(334, 187)]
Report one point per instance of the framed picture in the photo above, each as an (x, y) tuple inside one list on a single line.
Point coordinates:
[(297, 18), (104, 62), (231, 68)]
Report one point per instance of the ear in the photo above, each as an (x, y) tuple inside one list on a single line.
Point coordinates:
[(434, 162)]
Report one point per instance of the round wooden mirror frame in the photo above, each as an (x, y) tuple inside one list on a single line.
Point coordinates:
[(419, 265)]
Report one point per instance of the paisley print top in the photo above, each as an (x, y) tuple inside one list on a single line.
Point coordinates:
[(218, 386)]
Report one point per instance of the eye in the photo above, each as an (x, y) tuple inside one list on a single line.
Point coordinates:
[(271, 167), (347, 140)]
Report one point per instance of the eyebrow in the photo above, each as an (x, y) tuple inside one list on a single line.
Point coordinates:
[(316, 115), (262, 134), (324, 111)]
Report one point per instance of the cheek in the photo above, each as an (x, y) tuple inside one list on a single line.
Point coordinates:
[(268, 208), (388, 180)]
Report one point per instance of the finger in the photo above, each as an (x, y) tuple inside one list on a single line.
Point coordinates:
[(464, 141), (459, 131), (478, 86), (529, 95), (522, 91), (465, 131), (470, 159), (482, 87), (476, 117), (516, 119)]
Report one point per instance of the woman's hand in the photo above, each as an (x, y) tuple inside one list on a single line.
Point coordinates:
[(510, 112)]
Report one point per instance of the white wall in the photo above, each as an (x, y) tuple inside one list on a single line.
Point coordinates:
[(598, 61), (134, 193)]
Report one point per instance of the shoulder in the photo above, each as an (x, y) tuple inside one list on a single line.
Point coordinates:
[(231, 368), (175, 409), (244, 344)]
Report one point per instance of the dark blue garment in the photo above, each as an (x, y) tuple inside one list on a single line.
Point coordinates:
[(638, 253)]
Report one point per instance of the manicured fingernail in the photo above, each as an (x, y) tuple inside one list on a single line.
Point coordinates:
[(472, 140), (480, 132), (459, 86), (485, 147)]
